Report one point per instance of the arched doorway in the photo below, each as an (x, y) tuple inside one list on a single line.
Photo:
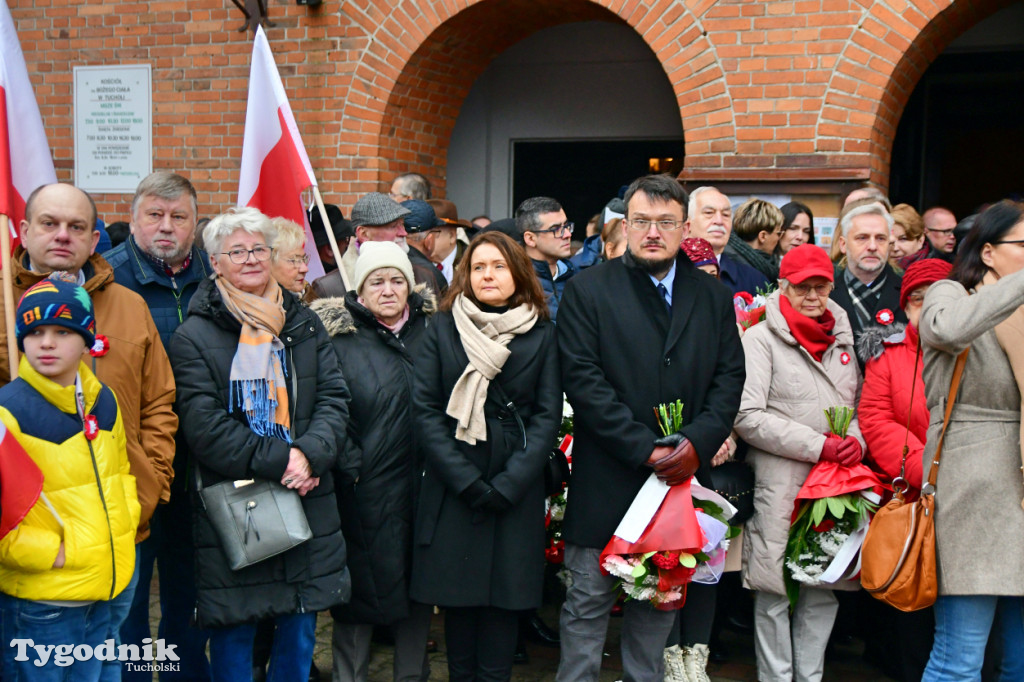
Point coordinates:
[(573, 111), (960, 138)]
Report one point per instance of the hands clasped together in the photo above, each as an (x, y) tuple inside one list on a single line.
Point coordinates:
[(299, 474), (845, 451)]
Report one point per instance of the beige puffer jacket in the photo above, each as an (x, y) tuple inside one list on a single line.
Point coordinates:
[(782, 419)]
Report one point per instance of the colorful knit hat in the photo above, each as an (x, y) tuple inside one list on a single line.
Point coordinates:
[(922, 273), (699, 251), (57, 302)]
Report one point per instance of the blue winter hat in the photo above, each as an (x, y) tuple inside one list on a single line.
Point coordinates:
[(56, 302), (421, 216)]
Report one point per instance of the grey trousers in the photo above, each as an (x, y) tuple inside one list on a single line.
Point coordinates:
[(584, 625), (792, 648), (351, 648)]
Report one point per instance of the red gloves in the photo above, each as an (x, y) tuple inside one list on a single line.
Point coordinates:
[(677, 465), (845, 452)]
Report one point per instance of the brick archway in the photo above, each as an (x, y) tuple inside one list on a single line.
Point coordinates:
[(423, 57), (885, 57)]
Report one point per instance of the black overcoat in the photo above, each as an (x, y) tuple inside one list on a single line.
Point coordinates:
[(622, 354), (374, 485), (463, 557), (312, 576)]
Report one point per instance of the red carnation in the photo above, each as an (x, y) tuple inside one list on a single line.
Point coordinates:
[(825, 526), (666, 560)]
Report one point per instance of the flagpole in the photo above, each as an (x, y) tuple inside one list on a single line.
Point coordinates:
[(330, 235), (5, 260)]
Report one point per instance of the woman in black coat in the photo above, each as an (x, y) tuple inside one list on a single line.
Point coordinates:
[(479, 532), (376, 330), (297, 446)]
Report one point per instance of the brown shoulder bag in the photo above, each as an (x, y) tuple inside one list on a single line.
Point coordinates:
[(898, 555)]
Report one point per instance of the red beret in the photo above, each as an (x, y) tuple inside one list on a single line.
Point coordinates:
[(922, 273), (699, 251), (804, 262)]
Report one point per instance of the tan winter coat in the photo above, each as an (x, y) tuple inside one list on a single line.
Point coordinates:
[(782, 419), (979, 523)]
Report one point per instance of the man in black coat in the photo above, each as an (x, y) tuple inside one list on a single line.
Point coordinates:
[(645, 329), (868, 289)]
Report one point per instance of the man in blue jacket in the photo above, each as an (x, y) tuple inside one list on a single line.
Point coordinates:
[(547, 236), (160, 262), (710, 217)]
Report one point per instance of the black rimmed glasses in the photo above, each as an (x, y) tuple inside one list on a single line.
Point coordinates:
[(240, 256), (557, 231), (1018, 242)]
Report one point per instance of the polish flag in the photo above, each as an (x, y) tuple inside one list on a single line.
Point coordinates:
[(25, 161), (21, 481), (275, 169)]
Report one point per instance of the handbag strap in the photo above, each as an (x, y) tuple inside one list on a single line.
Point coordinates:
[(954, 387), (511, 407), (899, 484)]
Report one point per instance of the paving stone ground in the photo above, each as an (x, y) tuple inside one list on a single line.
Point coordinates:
[(843, 664)]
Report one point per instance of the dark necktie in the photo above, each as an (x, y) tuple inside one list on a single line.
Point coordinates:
[(664, 296)]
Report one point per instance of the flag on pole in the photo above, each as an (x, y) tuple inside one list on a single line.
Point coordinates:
[(275, 169), (21, 482), (25, 161)]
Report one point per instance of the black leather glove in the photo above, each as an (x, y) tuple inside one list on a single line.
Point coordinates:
[(480, 496)]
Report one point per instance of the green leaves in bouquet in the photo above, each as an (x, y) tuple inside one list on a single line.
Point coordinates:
[(670, 417), (839, 419)]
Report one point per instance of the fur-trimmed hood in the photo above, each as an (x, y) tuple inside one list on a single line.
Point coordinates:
[(338, 320), (873, 339)]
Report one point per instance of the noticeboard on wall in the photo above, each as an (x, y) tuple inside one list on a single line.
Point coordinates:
[(113, 109)]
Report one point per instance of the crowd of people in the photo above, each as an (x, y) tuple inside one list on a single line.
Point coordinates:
[(409, 399)]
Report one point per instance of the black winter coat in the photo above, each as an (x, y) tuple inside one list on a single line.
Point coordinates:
[(622, 354), (376, 511), (312, 576), (463, 557)]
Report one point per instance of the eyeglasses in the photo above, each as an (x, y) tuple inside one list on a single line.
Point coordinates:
[(643, 225), (821, 290), (297, 260), (1019, 242), (944, 233), (917, 298), (557, 231), (240, 256)]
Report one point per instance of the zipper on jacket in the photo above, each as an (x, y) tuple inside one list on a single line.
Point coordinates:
[(106, 513)]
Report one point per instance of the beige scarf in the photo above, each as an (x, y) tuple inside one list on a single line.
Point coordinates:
[(485, 338)]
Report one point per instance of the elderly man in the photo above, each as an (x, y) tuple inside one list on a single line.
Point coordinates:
[(647, 328), (59, 234), (421, 226), (547, 234), (160, 263), (410, 186), (376, 218), (868, 289), (710, 218)]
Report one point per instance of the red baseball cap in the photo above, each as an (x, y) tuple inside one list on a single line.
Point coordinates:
[(804, 262)]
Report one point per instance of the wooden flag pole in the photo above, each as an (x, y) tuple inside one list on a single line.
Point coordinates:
[(330, 236), (5, 257)]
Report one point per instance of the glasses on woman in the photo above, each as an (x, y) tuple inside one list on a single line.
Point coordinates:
[(916, 298), (297, 261), (240, 256), (821, 290)]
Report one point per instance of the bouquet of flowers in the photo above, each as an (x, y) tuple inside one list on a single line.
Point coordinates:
[(830, 518), (554, 550), (750, 309)]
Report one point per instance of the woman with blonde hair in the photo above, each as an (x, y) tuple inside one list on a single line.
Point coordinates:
[(289, 262)]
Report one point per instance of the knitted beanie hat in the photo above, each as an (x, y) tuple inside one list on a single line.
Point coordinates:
[(56, 302), (699, 251), (922, 273), (376, 255)]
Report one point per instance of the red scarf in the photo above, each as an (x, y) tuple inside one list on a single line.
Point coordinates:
[(813, 333)]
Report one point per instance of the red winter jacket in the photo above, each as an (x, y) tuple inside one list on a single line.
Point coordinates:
[(884, 408)]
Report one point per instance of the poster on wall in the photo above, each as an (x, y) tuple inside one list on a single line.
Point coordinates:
[(113, 127)]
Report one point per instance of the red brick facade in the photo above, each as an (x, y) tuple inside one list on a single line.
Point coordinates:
[(767, 89)]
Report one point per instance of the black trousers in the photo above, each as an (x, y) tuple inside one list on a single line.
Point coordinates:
[(694, 620), (481, 642)]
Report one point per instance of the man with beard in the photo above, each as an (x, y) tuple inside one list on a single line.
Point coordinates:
[(868, 289), (638, 331)]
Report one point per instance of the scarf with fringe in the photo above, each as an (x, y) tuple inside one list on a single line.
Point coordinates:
[(258, 368)]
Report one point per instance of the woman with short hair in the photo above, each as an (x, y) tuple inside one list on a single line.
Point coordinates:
[(489, 405), (289, 262)]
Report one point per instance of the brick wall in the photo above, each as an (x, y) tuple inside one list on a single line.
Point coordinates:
[(767, 89)]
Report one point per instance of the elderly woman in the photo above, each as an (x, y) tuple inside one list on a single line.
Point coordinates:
[(376, 330), (979, 521), (797, 227), (260, 396), (289, 262), (907, 244), (799, 362), (489, 404)]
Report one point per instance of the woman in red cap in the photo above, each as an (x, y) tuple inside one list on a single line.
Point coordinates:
[(892, 412), (799, 363)]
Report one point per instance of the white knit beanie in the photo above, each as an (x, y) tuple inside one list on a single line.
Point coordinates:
[(376, 255)]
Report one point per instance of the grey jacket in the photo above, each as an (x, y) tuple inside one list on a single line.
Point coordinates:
[(979, 522), (782, 419)]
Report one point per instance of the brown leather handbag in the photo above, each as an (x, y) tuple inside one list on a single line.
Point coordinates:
[(898, 555)]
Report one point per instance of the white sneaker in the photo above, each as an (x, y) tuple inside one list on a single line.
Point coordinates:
[(674, 668), (695, 663)]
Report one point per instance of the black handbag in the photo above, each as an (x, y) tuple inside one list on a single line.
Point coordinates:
[(254, 520), (734, 481), (556, 470)]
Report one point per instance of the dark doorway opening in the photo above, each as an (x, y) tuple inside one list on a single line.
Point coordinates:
[(961, 138), (583, 176)]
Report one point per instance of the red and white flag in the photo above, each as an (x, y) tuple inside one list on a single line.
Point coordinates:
[(25, 161), (21, 482), (275, 169)]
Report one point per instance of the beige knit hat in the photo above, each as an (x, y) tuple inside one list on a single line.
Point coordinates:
[(377, 255)]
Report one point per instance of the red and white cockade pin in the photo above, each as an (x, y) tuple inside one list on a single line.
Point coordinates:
[(100, 347), (885, 316), (844, 358), (92, 427)]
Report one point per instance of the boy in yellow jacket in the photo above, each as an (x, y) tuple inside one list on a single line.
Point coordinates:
[(75, 549)]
